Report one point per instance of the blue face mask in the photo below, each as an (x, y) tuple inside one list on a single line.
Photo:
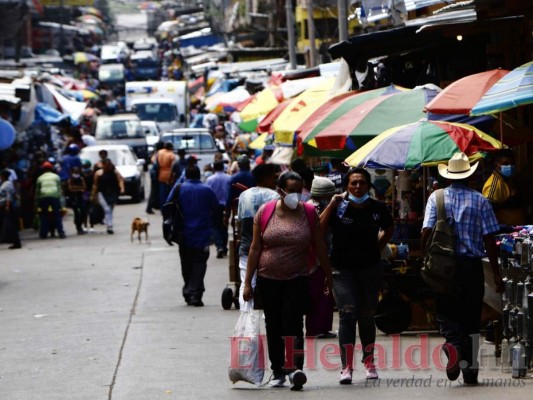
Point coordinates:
[(358, 200), (507, 170)]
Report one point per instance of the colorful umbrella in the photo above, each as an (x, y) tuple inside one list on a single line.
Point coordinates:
[(332, 110), (513, 90), (462, 95), (362, 123), (216, 102), (300, 109), (266, 123), (423, 143), (81, 57)]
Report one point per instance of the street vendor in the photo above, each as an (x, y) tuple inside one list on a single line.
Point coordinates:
[(502, 192)]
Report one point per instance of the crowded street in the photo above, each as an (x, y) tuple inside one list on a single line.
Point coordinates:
[(235, 199), (94, 318)]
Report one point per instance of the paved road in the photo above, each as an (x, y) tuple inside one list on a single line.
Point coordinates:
[(97, 317)]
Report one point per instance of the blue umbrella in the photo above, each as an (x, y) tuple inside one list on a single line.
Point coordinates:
[(513, 90)]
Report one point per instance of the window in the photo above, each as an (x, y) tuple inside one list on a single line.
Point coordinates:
[(119, 129)]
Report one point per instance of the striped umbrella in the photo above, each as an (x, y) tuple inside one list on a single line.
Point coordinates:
[(513, 90), (365, 121), (463, 94), (423, 143), (330, 112)]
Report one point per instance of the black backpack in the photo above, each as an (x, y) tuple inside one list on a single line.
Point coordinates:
[(439, 263), (172, 219)]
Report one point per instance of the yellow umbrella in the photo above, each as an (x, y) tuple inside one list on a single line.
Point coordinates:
[(259, 142), (300, 109), (264, 102), (87, 94)]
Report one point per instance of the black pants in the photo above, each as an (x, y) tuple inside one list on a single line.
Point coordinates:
[(9, 232), (284, 303), (459, 316), (193, 268)]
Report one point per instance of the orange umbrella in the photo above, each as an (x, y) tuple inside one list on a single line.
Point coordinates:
[(462, 95)]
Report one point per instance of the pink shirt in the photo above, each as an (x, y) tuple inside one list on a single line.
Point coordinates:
[(286, 244)]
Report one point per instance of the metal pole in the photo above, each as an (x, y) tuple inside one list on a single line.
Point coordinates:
[(61, 32), (290, 32), (312, 36), (343, 20)]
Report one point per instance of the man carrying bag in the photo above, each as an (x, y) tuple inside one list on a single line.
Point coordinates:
[(458, 314)]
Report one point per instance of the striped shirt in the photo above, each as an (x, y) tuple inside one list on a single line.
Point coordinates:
[(469, 213)]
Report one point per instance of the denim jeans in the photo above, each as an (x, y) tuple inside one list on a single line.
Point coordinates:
[(44, 204), (459, 316), (164, 191), (193, 268), (108, 210), (220, 231), (356, 294), (284, 303)]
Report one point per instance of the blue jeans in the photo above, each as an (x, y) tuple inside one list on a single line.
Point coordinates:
[(44, 204), (220, 231), (193, 268), (356, 294), (459, 316), (164, 191)]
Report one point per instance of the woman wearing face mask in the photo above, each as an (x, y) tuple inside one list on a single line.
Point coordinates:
[(280, 254), (361, 228), (501, 191)]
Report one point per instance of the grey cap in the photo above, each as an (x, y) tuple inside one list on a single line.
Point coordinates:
[(322, 187)]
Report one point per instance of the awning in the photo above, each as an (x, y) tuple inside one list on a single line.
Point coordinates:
[(418, 34)]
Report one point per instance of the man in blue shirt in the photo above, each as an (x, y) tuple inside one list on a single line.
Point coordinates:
[(199, 204), (219, 182), (239, 182), (474, 223)]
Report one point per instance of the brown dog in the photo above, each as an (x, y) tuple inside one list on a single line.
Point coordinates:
[(139, 226)]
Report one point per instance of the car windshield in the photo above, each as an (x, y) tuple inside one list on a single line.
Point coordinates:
[(117, 156), (159, 112), (190, 141), (119, 129)]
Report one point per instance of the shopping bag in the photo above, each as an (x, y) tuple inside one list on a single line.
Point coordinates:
[(247, 352)]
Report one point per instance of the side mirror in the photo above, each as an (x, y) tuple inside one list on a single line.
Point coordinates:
[(141, 162), (147, 131)]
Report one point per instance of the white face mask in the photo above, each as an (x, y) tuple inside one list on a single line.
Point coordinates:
[(291, 200)]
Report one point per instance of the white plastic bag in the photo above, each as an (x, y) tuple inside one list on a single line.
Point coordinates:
[(247, 352)]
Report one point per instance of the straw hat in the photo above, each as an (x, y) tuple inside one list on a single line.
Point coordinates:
[(458, 167)]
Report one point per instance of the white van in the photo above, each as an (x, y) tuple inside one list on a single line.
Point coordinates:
[(165, 102)]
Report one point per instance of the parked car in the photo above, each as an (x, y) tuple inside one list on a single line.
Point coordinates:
[(152, 133), (122, 129), (198, 142), (126, 162)]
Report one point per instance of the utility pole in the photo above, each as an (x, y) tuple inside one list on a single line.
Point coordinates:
[(343, 20), (312, 36), (291, 36), (61, 31)]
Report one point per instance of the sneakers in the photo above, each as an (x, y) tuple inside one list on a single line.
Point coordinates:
[(277, 381), (346, 376), (370, 371), (297, 379), (220, 254)]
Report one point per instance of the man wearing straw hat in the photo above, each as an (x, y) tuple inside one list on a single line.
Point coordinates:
[(474, 223)]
